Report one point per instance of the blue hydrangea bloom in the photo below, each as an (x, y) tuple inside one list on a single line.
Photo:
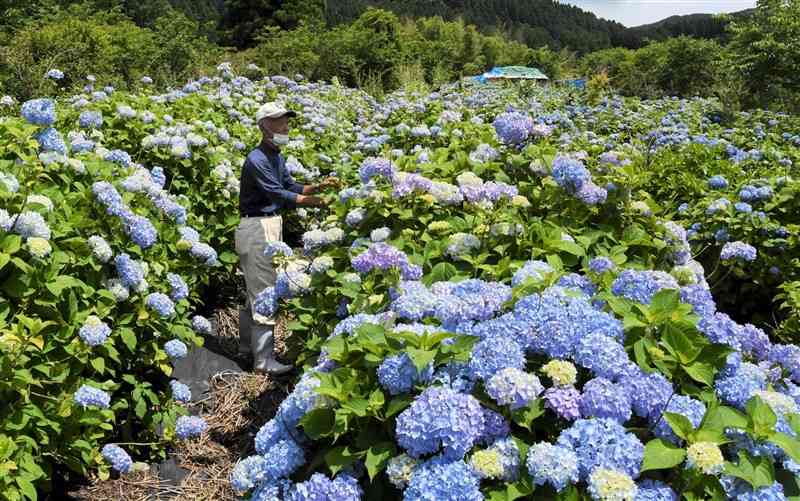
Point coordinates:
[(398, 374), (50, 140), (190, 427), (141, 231), (373, 166), (641, 286), (321, 488), (700, 298), (282, 459), (273, 431), (513, 127), (180, 392), (275, 248), (601, 264), (578, 282), (603, 443), (440, 418), (90, 119), (31, 224), (692, 409), (247, 474), (649, 392), (495, 427), (719, 328), (120, 157), (119, 459), (178, 288), (570, 173), (603, 399), (535, 270), (176, 349), (742, 491), (89, 395), (717, 182), (503, 454), (602, 355), (552, 464), (739, 251), (161, 304), (415, 303), (266, 302), (443, 479), (201, 325), (494, 354), (39, 112), (129, 271), (655, 490), (94, 332), (788, 357), (737, 388)]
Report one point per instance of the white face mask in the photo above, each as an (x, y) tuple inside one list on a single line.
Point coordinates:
[(280, 139)]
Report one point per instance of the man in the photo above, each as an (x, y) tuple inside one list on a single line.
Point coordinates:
[(266, 191)]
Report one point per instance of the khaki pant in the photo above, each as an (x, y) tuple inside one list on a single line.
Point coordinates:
[(251, 239)]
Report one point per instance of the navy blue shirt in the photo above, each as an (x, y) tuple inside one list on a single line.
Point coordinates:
[(266, 185)]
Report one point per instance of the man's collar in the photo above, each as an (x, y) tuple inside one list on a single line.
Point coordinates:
[(268, 146)]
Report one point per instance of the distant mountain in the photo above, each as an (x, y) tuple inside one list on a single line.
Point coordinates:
[(695, 25), (540, 22)]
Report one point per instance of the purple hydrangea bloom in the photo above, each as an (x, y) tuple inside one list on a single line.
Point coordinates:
[(564, 402), (495, 427)]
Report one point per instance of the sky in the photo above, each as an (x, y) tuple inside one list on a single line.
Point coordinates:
[(636, 12)]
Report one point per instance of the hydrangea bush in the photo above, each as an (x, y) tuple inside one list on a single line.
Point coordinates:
[(506, 298)]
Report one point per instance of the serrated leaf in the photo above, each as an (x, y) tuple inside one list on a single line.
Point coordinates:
[(318, 423), (660, 454), (377, 457), (680, 424)]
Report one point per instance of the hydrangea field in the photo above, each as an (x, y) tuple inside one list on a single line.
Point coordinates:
[(515, 294)]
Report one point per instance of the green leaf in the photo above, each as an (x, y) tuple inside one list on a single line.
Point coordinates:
[(528, 414), (318, 423), (762, 417), (129, 338), (377, 457), (701, 372), (660, 454), (679, 344), (397, 405), (442, 272), (358, 406), (756, 471), (789, 444), (680, 424), (664, 303), (339, 458), (99, 364), (421, 358), (720, 417)]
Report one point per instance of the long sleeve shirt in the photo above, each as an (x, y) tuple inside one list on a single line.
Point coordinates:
[(266, 185)]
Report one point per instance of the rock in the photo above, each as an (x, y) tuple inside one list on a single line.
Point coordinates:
[(170, 473), (196, 369)]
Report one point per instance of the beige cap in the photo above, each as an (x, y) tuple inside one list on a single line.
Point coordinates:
[(273, 110)]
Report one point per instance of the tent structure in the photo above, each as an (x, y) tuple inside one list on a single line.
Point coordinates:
[(512, 73)]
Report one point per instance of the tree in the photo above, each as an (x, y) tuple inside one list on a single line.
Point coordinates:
[(765, 52)]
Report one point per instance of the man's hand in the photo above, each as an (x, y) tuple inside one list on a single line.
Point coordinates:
[(311, 200), (329, 182)]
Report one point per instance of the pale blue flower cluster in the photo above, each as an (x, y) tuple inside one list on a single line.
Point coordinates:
[(513, 387), (180, 392), (443, 479), (552, 464), (119, 459), (87, 396), (161, 304), (739, 251), (190, 427), (599, 442), (201, 325), (176, 349)]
